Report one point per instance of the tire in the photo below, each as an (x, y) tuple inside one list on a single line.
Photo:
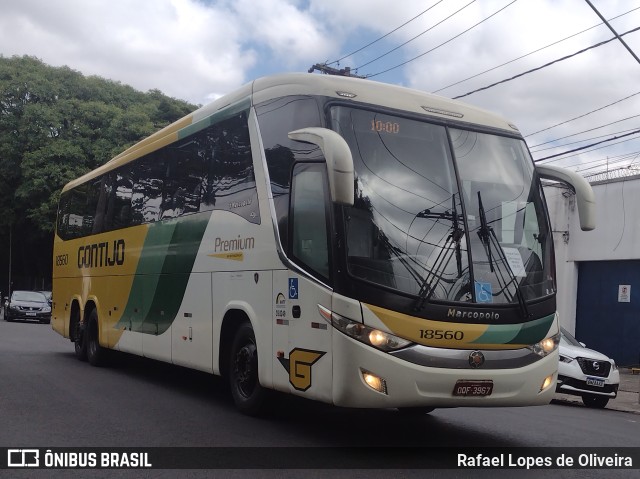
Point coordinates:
[(248, 395), (80, 340), (96, 354), (415, 411), (595, 402)]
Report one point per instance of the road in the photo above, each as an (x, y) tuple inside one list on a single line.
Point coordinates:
[(50, 399)]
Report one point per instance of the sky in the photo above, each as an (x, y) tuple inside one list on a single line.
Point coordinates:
[(198, 50)]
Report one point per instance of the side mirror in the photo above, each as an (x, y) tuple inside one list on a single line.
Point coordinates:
[(584, 193), (339, 161)]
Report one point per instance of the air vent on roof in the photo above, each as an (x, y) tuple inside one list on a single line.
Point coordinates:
[(440, 111)]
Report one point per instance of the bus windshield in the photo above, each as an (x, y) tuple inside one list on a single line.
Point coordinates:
[(444, 214)]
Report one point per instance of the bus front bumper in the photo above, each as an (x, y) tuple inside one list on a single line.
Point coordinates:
[(406, 384)]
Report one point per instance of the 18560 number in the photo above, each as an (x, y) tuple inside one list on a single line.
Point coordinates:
[(441, 334)]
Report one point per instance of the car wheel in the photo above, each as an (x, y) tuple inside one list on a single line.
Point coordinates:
[(96, 354), (248, 394), (592, 401)]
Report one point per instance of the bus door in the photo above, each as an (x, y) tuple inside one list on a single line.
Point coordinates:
[(305, 362)]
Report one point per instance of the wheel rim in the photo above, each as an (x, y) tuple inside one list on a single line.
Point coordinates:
[(245, 368)]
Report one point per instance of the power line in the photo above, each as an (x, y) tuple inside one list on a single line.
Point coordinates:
[(589, 146), (444, 43), (418, 35), (543, 66), (531, 53), (619, 37), (583, 115), (581, 132), (385, 35), (584, 139)]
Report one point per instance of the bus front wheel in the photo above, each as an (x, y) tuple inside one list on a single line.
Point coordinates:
[(246, 390)]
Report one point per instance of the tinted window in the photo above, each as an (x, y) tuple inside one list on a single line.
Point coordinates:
[(229, 183), (277, 118), (211, 169), (309, 239)]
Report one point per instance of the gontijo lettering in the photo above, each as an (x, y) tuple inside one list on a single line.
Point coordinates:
[(98, 255)]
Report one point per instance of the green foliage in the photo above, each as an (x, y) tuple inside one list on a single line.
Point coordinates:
[(55, 125)]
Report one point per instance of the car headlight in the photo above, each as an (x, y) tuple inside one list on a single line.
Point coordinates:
[(358, 331), (46, 309), (565, 359), (614, 366), (546, 346)]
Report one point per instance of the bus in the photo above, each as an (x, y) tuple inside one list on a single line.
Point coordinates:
[(344, 240)]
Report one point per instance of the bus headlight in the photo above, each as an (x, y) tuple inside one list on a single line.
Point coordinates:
[(371, 336), (546, 346)]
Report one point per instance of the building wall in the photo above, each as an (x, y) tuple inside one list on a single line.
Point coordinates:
[(606, 257)]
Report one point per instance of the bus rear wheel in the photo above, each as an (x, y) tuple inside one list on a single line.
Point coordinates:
[(95, 353), (79, 340), (248, 394)]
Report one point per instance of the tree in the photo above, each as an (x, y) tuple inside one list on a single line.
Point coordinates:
[(55, 125)]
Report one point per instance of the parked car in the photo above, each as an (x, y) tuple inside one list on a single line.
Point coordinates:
[(28, 305), (586, 373), (47, 294)]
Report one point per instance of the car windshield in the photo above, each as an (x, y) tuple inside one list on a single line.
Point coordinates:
[(28, 296), (430, 199), (566, 336)]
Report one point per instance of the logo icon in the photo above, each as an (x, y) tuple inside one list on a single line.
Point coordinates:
[(596, 366), (299, 366), (484, 293), (293, 288), (23, 458), (476, 359)]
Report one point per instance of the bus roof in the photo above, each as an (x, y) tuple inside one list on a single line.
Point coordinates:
[(344, 88)]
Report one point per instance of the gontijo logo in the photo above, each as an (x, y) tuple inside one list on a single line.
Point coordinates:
[(102, 254)]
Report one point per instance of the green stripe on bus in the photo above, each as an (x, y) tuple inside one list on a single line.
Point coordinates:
[(166, 262), (527, 333)]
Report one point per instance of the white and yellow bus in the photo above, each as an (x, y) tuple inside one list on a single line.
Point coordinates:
[(348, 241)]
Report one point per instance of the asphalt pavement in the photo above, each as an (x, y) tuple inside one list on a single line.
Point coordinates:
[(628, 399)]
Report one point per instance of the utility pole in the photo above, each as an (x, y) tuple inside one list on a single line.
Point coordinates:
[(327, 70)]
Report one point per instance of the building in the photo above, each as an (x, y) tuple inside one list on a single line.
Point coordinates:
[(598, 272)]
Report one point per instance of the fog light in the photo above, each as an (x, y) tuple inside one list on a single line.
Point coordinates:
[(546, 383), (374, 382)]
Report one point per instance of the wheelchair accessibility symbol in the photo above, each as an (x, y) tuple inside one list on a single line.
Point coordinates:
[(484, 294), (293, 288)]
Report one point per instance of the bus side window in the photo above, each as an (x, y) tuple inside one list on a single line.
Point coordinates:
[(146, 197), (309, 213)]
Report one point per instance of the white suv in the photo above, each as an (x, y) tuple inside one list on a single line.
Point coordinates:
[(585, 372)]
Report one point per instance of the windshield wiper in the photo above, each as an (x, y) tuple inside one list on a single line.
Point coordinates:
[(430, 282), (489, 239)]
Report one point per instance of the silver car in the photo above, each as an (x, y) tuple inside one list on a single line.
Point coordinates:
[(586, 373)]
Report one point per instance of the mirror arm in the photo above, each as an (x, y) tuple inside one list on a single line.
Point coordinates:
[(584, 193)]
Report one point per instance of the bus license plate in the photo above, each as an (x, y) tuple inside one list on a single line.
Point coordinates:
[(595, 382), (465, 387)]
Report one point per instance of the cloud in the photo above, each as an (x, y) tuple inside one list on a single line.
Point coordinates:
[(184, 48)]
